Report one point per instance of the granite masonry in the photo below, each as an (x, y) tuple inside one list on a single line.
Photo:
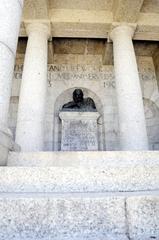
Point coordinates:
[(98, 83), (89, 174)]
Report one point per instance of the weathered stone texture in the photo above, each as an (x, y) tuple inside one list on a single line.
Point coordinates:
[(150, 6), (75, 4), (126, 10), (156, 64), (61, 218), (79, 131), (88, 216), (143, 217), (77, 172)]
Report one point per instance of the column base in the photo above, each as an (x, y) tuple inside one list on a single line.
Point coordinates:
[(6, 144)]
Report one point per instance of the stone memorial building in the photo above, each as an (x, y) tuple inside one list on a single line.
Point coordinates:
[(79, 119)]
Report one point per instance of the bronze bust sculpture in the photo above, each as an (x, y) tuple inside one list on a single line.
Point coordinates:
[(80, 103)]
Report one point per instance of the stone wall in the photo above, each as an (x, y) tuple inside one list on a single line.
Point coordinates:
[(156, 63), (78, 64)]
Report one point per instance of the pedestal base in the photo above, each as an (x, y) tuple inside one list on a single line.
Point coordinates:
[(6, 144), (79, 131)]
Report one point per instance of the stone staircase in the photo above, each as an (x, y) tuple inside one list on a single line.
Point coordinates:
[(79, 196)]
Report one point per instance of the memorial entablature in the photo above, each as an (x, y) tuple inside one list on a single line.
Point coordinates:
[(93, 19)]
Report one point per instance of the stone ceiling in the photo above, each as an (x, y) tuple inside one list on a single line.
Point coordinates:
[(82, 4), (93, 18), (150, 6)]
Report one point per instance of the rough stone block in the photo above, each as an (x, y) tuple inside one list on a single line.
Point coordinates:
[(143, 217), (81, 179), (59, 218), (6, 144)]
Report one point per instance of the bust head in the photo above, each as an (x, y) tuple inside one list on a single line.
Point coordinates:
[(80, 103), (78, 95)]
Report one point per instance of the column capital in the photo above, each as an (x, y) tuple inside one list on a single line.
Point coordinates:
[(122, 29), (38, 27)]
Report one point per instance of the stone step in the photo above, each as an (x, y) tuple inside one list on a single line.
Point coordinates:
[(79, 179), (88, 159), (80, 196), (62, 217), (78, 217), (81, 172)]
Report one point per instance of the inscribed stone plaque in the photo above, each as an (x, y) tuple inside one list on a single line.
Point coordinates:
[(79, 131)]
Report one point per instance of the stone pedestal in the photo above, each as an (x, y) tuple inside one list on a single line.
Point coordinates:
[(6, 144), (79, 131)]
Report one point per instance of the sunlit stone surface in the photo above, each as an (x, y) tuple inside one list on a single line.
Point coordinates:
[(79, 131)]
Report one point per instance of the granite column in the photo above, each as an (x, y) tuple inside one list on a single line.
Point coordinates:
[(133, 135), (31, 112), (10, 19)]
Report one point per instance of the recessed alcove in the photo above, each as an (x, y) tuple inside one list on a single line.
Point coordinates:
[(66, 96)]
